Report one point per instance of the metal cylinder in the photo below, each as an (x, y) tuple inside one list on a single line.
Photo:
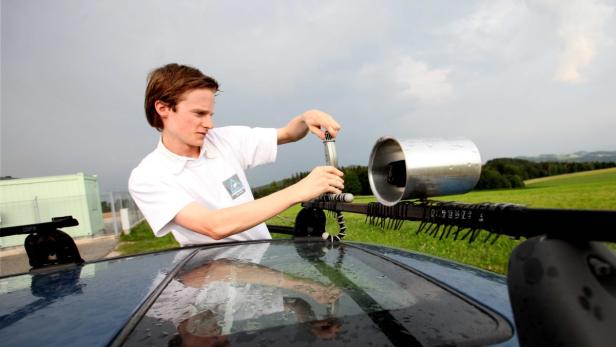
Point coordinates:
[(421, 168), (331, 159)]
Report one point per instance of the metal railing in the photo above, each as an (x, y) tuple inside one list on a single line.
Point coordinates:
[(121, 212)]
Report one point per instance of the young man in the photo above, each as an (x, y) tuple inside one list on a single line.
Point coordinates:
[(193, 184)]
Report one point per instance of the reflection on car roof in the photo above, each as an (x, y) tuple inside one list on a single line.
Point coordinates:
[(307, 292)]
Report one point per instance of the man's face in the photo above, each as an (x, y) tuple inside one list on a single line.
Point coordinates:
[(186, 126)]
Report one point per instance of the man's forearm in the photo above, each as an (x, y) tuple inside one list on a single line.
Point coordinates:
[(295, 130), (225, 222)]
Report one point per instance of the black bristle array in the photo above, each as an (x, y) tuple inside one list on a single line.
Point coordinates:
[(442, 220), (386, 217), (446, 232), (474, 235), (422, 226), (467, 233), (457, 232), (434, 230)]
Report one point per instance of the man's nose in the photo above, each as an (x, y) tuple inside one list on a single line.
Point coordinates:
[(207, 122)]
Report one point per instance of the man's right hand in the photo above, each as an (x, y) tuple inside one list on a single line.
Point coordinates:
[(322, 179)]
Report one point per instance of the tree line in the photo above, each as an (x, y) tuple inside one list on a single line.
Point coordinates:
[(505, 173), (502, 173)]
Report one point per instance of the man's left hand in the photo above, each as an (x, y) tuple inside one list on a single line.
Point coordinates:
[(314, 121), (318, 121)]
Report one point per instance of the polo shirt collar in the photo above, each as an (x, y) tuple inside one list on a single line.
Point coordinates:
[(178, 162)]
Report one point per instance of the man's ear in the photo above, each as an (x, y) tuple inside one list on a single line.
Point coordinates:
[(162, 108)]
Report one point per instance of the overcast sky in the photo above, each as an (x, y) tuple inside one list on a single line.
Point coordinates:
[(516, 77)]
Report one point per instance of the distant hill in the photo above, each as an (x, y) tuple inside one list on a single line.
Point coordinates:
[(577, 157)]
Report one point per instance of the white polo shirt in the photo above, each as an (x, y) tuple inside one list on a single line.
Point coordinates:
[(164, 182)]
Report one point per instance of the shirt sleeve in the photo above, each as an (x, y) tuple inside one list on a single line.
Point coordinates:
[(159, 199), (252, 146)]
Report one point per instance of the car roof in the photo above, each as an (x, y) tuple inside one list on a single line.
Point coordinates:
[(376, 294)]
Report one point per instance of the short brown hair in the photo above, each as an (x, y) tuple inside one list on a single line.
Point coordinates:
[(168, 83)]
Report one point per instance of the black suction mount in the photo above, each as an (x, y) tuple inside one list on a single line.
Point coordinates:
[(45, 244)]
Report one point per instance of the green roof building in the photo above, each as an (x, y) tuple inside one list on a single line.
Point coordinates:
[(37, 200)]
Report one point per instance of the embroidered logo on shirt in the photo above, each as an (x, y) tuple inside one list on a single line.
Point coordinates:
[(234, 186)]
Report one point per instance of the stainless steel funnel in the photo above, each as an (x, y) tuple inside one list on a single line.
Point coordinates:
[(421, 168)]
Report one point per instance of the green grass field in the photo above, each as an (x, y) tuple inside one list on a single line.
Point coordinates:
[(585, 190)]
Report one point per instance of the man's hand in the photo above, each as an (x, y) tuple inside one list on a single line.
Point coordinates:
[(318, 122), (322, 179), (314, 121)]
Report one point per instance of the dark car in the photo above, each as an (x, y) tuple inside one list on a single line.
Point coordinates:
[(289, 292)]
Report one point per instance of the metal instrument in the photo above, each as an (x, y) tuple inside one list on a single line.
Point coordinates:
[(330, 150), (331, 159), (421, 168)]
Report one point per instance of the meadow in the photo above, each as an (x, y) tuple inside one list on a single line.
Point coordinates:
[(594, 190)]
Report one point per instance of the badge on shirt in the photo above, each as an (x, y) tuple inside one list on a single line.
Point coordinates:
[(234, 186)]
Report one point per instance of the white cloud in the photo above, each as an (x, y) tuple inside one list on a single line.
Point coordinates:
[(422, 82), (489, 30), (405, 79), (581, 29), (493, 17)]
